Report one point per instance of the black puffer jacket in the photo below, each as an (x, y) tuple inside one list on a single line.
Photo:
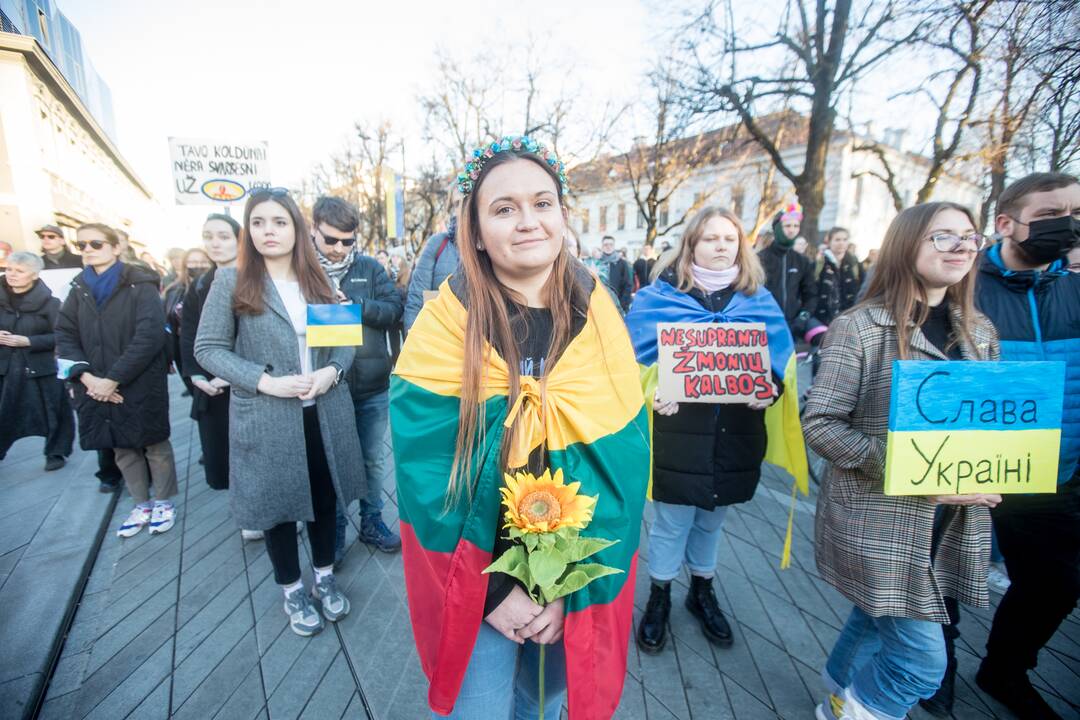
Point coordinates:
[(32, 315), (838, 286), (367, 284), (708, 455), (789, 276), (124, 340)]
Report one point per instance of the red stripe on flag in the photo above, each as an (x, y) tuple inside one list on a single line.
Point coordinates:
[(446, 604), (597, 642)]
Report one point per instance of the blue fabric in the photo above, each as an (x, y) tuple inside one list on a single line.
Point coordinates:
[(889, 663), (684, 533), (499, 687), (662, 303), (1037, 316), (102, 286)]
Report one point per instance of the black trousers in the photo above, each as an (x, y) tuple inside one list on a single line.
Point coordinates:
[(281, 544), (1039, 535), (213, 418), (107, 469)]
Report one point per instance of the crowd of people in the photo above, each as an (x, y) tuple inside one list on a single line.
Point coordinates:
[(508, 347)]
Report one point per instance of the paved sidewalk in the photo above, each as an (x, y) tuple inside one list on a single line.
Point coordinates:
[(189, 625)]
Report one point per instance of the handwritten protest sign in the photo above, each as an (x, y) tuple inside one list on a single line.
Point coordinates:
[(960, 428), (59, 281), (713, 362), (210, 172)]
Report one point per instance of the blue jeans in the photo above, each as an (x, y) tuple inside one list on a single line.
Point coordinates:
[(373, 427), (889, 663), (684, 532), (502, 680)]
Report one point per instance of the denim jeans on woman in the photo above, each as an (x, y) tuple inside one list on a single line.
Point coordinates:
[(684, 533), (502, 680), (889, 663)]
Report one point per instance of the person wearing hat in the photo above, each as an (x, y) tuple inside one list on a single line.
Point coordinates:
[(790, 277), (54, 250)]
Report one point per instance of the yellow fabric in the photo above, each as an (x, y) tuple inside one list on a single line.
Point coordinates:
[(591, 392), (650, 380), (786, 446), (335, 335)]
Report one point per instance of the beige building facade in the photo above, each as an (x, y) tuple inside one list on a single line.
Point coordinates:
[(57, 164)]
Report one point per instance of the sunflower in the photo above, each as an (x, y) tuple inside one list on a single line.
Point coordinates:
[(545, 504)]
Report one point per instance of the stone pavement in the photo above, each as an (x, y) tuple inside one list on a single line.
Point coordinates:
[(189, 625)]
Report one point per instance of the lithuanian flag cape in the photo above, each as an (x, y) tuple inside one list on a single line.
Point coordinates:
[(594, 427), (662, 303)]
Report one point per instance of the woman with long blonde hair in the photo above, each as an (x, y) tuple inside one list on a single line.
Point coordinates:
[(705, 456), (522, 362), (900, 560)]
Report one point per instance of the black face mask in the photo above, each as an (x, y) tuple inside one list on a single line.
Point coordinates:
[(194, 273), (1050, 240)]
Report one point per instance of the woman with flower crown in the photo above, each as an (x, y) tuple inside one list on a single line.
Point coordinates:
[(521, 364)]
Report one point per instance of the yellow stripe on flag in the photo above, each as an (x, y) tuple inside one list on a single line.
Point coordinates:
[(335, 335)]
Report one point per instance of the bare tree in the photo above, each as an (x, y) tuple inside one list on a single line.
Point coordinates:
[(426, 204), (814, 58)]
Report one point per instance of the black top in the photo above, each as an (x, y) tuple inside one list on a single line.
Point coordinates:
[(938, 330)]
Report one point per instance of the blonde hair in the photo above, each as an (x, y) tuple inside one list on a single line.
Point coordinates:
[(751, 275)]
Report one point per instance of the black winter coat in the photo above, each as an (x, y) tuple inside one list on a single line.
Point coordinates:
[(382, 307), (66, 260), (34, 318), (124, 340), (708, 455), (621, 281), (837, 287), (789, 276)]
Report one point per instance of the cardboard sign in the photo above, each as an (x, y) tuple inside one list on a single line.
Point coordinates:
[(334, 325), (962, 428), (713, 362), (212, 172)]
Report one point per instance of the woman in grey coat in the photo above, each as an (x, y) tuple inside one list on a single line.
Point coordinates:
[(901, 560), (293, 445)]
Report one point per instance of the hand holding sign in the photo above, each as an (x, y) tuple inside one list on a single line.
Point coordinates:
[(714, 363)]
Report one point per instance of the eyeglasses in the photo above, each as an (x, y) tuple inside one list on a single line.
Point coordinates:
[(947, 242), (96, 244), (271, 191), (49, 236)]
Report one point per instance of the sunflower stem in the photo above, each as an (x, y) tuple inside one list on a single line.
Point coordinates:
[(542, 646)]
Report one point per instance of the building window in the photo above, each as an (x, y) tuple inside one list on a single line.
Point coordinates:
[(663, 220), (640, 219), (585, 221), (43, 25), (738, 196), (622, 216), (602, 225)]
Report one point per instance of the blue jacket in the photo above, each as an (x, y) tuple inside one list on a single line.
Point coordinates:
[(438, 260), (1037, 316)]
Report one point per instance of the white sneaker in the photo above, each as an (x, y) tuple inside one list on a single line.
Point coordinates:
[(163, 518), (251, 535), (139, 517), (997, 578)]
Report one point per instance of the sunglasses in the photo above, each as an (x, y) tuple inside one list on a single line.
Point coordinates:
[(947, 242), (268, 191), (345, 242), (96, 244)]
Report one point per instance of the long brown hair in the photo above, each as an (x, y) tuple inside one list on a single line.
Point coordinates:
[(901, 291), (182, 278), (251, 268), (751, 275), (489, 324)]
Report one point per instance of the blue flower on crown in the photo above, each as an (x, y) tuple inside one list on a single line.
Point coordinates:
[(511, 143)]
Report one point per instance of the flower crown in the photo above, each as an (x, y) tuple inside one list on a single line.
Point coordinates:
[(511, 143)]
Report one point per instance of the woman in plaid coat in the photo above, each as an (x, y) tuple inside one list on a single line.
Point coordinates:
[(896, 558)]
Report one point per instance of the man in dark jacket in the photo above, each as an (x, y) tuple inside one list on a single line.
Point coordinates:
[(361, 280), (54, 250), (1034, 302), (789, 276), (616, 272)]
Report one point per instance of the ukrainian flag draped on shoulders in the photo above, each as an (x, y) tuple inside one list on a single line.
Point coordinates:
[(590, 415), (663, 303)]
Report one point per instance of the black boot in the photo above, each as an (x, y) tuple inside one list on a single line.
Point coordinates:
[(701, 602), (1014, 691), (652, 631)]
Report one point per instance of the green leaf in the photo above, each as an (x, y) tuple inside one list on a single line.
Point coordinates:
[(513, 562), (547, 540), (577, 578), (583, 547), (546, 567), (530, 540)]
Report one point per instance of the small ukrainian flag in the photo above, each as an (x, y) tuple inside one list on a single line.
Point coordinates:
[(334, 325)]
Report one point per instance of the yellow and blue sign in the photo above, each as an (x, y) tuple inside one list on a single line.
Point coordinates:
[(334, 325), (223, 190), (961, 428)]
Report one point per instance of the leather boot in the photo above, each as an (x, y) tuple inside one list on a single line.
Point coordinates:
[(701, 602), (652, 630)]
